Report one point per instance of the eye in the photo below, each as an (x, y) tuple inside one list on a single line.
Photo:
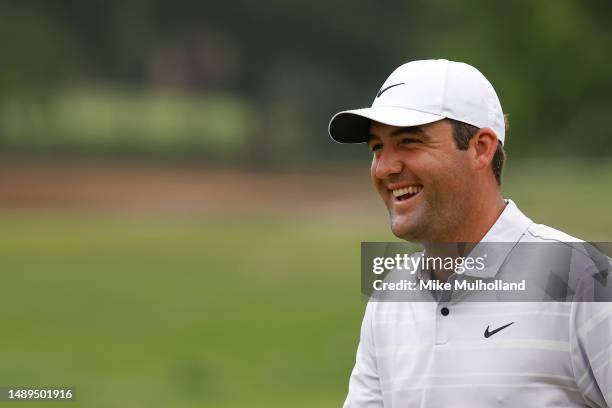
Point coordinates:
[(375, 146), (408, 140)]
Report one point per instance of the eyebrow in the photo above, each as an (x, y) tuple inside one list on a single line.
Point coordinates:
[(413, 130)]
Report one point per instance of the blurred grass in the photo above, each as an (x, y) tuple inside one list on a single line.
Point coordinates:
[(215, 313), (219, 312), (566, 193)]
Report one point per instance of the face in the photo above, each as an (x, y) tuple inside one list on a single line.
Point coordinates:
[(423, 178)]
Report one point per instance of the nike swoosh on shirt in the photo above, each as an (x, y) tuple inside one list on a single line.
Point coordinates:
[(385, 89), (488, 333)]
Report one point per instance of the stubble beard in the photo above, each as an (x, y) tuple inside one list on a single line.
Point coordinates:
[(414, 231), (430, 224)]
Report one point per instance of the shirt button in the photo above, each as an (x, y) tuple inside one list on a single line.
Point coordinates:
[(444, 311)]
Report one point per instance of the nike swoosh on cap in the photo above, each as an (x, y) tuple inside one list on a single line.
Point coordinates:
[(488, 333), (383, 90)]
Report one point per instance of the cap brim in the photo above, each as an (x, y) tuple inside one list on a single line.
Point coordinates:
[(353, 126)]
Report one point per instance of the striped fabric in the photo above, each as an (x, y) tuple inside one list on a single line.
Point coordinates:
[(416, 354)]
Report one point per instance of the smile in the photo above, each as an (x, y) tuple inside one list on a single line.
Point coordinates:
[(406, 193)]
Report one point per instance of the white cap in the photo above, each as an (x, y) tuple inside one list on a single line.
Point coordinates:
[(421, 92)]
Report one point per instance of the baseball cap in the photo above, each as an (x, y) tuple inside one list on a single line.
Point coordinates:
[(421, 92)]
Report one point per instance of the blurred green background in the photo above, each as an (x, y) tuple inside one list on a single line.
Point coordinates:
[(176, 227)]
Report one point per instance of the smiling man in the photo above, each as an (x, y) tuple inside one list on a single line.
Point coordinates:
[(436, 129), (419, 172)]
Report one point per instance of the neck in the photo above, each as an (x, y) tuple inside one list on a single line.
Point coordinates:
[(477, 221), (473, 228)]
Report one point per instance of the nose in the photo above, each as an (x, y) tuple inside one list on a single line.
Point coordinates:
[(387, 163)]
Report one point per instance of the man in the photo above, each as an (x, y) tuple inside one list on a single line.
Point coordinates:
[(436, 130)]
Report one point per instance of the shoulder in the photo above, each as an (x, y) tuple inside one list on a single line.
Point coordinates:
[(541, 232), (587, 267), (553, 241)]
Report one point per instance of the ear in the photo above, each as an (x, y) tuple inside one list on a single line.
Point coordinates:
[(482, 147)]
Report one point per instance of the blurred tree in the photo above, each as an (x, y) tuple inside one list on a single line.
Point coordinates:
[(37, 52), (296, 63)]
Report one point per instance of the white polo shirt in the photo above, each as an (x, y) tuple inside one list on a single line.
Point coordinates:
[(435, 354)]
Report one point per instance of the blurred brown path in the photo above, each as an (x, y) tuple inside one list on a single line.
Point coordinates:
[(182, 189)]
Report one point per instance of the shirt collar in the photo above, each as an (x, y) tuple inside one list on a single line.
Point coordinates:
[(510, 225), (506, 232)]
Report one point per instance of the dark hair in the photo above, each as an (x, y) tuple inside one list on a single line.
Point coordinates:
[(463, 132)]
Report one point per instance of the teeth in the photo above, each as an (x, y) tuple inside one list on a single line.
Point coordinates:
[(407, 190), (400, 192)]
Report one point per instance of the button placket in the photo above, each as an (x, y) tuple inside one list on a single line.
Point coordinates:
[(442, 322)]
